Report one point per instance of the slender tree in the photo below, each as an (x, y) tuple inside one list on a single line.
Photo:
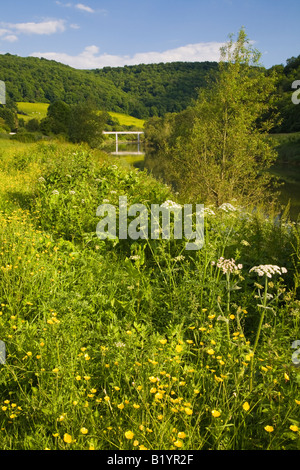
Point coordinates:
[(227, 152)]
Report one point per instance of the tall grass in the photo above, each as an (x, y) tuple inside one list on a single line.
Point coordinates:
[(139, 344)]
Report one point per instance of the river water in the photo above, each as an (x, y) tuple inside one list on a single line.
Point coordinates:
[(288, 174)]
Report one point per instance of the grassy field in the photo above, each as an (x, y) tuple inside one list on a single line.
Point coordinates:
[(32, 110), (140, 344), (39, 111), (126, 120)]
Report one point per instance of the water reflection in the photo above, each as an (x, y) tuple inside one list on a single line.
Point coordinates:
[(137, 155), (125, 148)]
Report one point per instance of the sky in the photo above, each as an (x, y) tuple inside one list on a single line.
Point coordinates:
[(95, 34)]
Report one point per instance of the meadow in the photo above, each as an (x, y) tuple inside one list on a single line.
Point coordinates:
[(123, 344), (39, 111), (32, 110)]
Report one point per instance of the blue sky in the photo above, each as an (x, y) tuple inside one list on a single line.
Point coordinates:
[(95, 33)]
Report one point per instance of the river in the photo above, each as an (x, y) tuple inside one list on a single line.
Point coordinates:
[(288, 174)]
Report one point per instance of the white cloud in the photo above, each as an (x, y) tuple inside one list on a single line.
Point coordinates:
[(4, 31), (90, 57), (44, 27), (10, 38), (82, 7)]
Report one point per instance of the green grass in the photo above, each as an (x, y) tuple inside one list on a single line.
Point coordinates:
[(39, 111), (122, 344), (126, 120), (32, 110)]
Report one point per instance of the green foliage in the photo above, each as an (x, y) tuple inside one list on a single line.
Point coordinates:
[(40, 80), (218, 150), (139, 345), (290, 113), (142, 91), (9, 117)]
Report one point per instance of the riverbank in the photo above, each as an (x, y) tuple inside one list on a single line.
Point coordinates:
[(138, 344)]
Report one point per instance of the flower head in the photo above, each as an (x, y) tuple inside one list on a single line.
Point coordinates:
[(246, 406), (228, 265), (67, 438), (269, 428), (268, 270), (129, 434)]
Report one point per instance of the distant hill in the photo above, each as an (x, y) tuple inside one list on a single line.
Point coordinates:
[(160, 88), (140, 91), (31, 79)]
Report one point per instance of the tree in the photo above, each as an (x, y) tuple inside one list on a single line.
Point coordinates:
[(59, 114), (86, 124), (227, 151)]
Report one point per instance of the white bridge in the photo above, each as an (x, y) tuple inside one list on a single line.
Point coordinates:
[(117, 133)]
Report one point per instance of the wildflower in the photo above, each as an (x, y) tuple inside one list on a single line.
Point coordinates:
[(181, 435), (210, 351), (67, 438), (179, 258), (153, 379), (216, 413), (171, 205), (178, 348), (162, 341), (269, 428), (297, 401), (135, 443), (228, 265), (129, 434), (246, 406), (188, 411), (142, 447), (121, 406), (294, 428), (178, 443), (268, 270), (227, 207), (286, 376), (84, 431)]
